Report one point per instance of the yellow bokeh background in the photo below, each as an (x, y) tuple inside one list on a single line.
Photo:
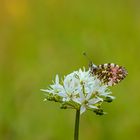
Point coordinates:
[(42, 38)]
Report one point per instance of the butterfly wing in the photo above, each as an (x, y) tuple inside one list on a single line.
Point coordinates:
[(110, 73)]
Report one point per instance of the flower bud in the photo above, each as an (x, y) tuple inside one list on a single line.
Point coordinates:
[(63, 106), (99, 111), (108, 99)]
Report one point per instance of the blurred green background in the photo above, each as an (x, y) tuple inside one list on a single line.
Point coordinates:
[(42, 38)]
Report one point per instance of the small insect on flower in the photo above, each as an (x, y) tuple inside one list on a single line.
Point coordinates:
[(110, 73)]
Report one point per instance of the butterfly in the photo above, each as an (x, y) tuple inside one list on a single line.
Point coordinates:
[(110, 73)]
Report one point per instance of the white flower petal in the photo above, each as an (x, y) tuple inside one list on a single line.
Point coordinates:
[(112, 97), (45, 90), (92, 106), (94, 100), (62, 94), (76, 100), (88, 95), (57, 79), (82, 109)]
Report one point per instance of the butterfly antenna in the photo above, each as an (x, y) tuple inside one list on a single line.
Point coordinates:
[(90, 62)]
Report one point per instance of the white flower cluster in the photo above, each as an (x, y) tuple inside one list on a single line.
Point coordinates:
[(79, 90)]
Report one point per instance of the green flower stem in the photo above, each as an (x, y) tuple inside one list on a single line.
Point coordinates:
[(77, 120)]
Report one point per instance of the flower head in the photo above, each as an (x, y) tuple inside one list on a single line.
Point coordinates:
[(79, 90)]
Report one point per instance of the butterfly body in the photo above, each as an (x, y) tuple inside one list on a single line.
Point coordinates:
[(110, 73)]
